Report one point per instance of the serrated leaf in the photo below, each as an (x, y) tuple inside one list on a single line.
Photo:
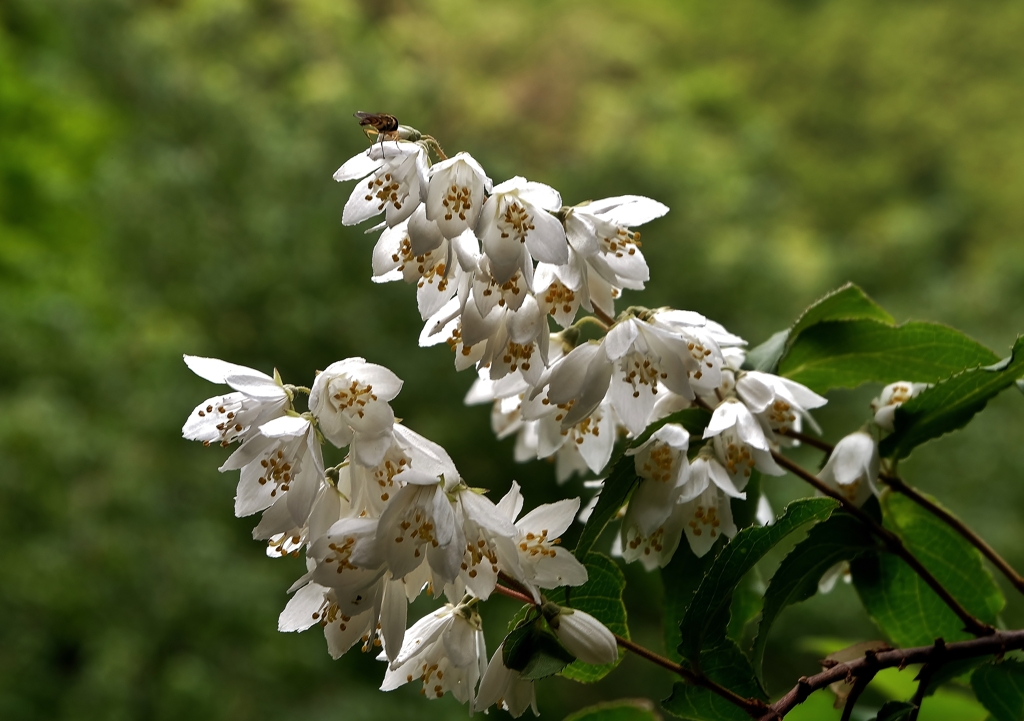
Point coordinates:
[(622, 478), (747, 602), (846, 303), (707, 616), (614, 493), (849, 353), (765, 357), (725, 664), (1000, 688), (895, 711), (601, 597), (680, 579), (896, 598), (949, 405), (841, 538), (628, 709)]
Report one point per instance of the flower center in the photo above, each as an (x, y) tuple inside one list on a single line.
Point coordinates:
[(516, 222), (738, 459), (457, 201), (641, 372), (658, 466), (277, 469), (704, 518), (226, 413), (624, 242), (340, 554), (536, 544), (780, 415), (418, 528), (351, 398), (385, 188)]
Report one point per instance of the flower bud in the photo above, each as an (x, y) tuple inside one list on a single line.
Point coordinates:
[(584, 636)]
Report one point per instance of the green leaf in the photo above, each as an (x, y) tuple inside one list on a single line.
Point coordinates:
[(628, 709), (1000, 688), (841, 538), (533, 650), (725, 664), (680, 579), (707, 616), (949, 405), (846, 303), (900, 603), (703, 640), (850, 353), (601, 597), (616, 490), (765, 357), (747, 601), (895, 711)]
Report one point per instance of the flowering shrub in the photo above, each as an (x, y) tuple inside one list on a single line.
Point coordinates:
[(674, 415)]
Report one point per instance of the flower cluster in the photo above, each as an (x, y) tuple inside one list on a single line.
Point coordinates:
[(393, 519), (495, 265), (492, 262)]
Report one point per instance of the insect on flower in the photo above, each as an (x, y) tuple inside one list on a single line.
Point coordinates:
[(379, 125)]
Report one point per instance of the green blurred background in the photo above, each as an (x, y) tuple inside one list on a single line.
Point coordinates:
[(165, 188)]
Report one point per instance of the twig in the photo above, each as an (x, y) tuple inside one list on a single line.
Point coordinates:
[(998, 642), (752, 707), (897, 484), (894, 544), (608, 320), (900, 486), (859, 685)]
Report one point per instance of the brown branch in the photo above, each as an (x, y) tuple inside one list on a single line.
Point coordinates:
[(897, 484), (996, 643), (753, 707), (607, 319), (894, 544), (900, 486), (860, 683)]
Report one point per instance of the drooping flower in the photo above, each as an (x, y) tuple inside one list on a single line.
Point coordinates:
[(852, 469), (706, 518), (892, 397), (740, 442), (282, 459), (445, 650), (455, 195), (393, 183), (778, 403), (350, 402), (222, 419), (518, 216), (540, 561), (584, 636), (505, 688)]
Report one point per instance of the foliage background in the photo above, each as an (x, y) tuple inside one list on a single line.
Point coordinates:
[(165, 188)]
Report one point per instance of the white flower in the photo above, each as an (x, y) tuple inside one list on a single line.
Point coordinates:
[(852, 469), (661, 463), (706, 517), (347, 560), (378, 621), (519, 343), (455, 195), (419, 524), (257, 399), (778, 403), (484, 529), (393, 183), (516, 216), (283, 458), (505, 688), (892, 397), (740, 442), (540, 562), (350, 402), (584, 636), (557, 289), (445, 651), (632, 363)]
